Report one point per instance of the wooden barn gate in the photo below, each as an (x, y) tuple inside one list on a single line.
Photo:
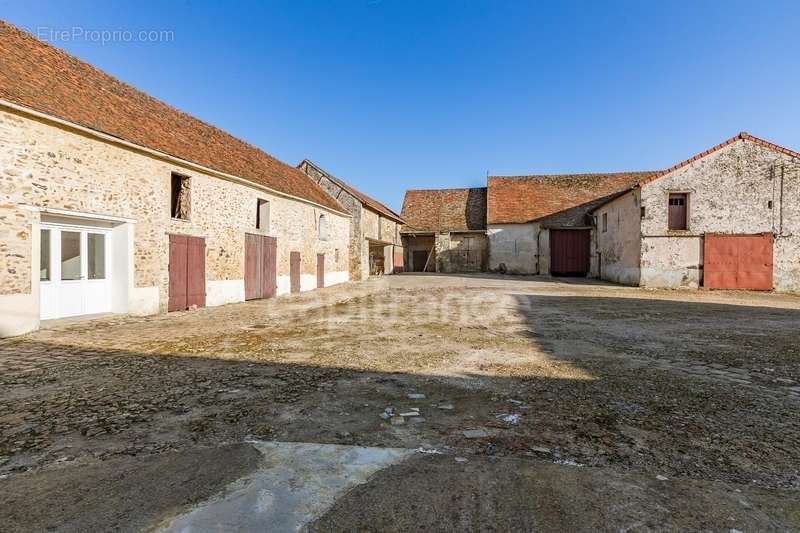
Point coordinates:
[(738, 261), (187, 272), (260, 266), (569, 252)]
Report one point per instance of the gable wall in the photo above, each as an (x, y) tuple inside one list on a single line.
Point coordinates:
[(729, 192)]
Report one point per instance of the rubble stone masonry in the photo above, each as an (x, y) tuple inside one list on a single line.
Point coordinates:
[(50, 166)]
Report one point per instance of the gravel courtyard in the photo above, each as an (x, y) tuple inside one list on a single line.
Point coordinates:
[(544, 404)]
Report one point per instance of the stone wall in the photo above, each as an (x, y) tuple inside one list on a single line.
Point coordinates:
[(353, 206), (46, 166), (620, 245), (729, 192), (514, 246)]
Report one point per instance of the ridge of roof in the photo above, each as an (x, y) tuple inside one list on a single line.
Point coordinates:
[(573, 175), (445, 189), (48, 81), (364, 198), (741, 136)]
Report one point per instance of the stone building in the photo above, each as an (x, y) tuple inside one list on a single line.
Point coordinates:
[(375, 244), (112, 201), (542, 224), (726, 218), (445, 230)]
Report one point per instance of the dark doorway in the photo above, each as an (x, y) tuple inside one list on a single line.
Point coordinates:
[(569, 252)]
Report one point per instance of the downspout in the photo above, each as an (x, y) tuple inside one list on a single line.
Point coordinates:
[(780, 213), (538, 249)]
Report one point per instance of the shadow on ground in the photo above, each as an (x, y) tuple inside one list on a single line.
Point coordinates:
[(628, 414)]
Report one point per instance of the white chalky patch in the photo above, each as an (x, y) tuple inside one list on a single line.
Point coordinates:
[(296, 484)]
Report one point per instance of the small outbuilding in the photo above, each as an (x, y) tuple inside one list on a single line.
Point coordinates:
[(542, 224), (727, 218), (445, 230)]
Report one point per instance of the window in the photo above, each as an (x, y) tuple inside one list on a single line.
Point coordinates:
[(605, 222), (179, 197), (323, 228), (262, 215), (677, 211), (44, 255), (70, 255), (96, 255), (641, 212)]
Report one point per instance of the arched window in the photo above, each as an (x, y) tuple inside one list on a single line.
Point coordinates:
[(323, 227)]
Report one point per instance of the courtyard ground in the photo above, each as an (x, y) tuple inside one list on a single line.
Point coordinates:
[(542, 405)]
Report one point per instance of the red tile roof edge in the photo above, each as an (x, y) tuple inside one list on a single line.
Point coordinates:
[(365, 199), (316, 196), (743, 136)]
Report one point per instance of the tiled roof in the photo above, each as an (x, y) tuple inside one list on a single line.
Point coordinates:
[(365, 200), (43, 78), (743, 136), (444, 210), (521, 199)]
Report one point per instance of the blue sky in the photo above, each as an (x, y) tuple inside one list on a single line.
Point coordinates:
[(391, 95)]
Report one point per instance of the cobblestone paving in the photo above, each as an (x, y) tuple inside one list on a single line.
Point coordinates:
[(703, 385)]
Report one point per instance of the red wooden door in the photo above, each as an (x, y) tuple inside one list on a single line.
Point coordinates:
[(269, 266), (178, 258), (196, 272), (320, 271), (187, 272), (260, 266), (252, 266), (569, 252), (738, 261), (294, 271)]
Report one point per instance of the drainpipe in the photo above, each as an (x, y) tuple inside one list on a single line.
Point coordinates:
[(538, 249)]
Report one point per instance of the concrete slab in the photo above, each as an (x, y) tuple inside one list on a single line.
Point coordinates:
[(295, 485)]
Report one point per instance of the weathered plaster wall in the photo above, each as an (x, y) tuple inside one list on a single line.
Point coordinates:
[(619, 246), (729, 192), (462, 252), (46, 166), (513, 245)]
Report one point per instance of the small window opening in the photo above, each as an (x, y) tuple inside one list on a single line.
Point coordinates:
[(605, 222), (262, 215), (769, 204), (641, 212), (323, 228), (179, 197), (44, 255), (677, 211)]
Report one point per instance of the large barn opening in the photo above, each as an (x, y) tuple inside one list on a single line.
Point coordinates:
[(569, 252)]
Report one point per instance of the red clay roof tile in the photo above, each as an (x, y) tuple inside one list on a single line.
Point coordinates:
[(444, 210), (521, 199), (43, 78)]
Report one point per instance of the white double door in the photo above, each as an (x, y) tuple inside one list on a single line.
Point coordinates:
[(74, 271)]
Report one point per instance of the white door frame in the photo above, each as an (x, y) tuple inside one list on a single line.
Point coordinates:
[(94, 295)]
